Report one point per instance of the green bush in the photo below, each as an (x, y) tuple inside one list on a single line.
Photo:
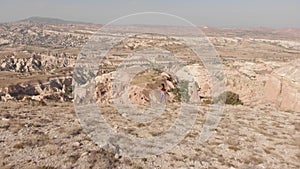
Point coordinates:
[(176, 92), (181, 92), (206, 101), (228, 97), (42, 103)]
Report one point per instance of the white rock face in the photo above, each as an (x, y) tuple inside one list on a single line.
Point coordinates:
[(290, 72), (266, 83), (273, 88), (283, 88), (4, 41), (34, 63), (259, 83), (282, 43)]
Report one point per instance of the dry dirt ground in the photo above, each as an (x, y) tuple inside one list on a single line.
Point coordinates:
[(47, 137), (50, 136)]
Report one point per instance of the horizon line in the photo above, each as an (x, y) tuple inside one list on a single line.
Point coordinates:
[(93, 23)]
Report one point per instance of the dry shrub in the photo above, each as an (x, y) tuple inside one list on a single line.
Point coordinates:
[(228, 97), (19, 146)]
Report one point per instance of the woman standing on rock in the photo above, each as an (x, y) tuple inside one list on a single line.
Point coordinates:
[(163, 93)]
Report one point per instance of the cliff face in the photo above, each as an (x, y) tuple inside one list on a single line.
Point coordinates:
[(283, 87), (258, 82), (266, 82), (58, 89)]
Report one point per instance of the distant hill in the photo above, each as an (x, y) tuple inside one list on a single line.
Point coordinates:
[(46, 20)]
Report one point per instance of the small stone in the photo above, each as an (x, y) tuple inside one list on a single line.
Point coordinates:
[(76, 144), (84, 154), (117, 156), (5, 119)]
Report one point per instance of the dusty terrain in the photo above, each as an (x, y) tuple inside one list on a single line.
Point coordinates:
[(40, 129), (51, 137)]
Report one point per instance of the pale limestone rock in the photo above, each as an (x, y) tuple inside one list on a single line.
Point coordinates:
[(272, 88), (289, 97), (297, 105), (170, 85), (205, 90), (37, 98), (248, 71), (165, 75)]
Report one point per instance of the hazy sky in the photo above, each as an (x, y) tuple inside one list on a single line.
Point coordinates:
[(214, 13)]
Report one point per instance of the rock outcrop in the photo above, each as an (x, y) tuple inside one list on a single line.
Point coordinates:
[(35, 63), (266, 82), (257, 82), (58, 89), (140, 90), (283, 88)]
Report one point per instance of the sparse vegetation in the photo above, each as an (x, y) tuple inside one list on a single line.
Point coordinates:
[(207, 101), (176, 92), (131, 47), (19, 146), (181, 92), (42, 103), (157, 70), (228, 97)]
